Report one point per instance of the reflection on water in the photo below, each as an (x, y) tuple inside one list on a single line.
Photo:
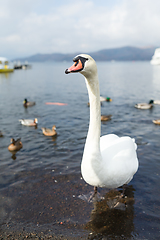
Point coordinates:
[(113, 216), (13, 155), (5, 75)]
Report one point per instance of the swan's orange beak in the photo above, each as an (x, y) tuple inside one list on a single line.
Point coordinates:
[(76, 67)]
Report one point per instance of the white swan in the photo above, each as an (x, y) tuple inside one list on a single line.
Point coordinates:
[(108, 161)]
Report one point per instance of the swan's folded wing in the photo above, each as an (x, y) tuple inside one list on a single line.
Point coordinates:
[(112, 146), (119, 159), (107, 140)]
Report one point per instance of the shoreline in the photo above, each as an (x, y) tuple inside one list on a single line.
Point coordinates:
[(44, 205), (47, 206)]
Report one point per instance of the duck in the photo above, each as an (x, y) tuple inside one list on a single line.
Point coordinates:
[(1, 134), (145, 105), (105, 99), (156, 121), (49, 132), (108, 161), (156, 102), (106, 117), (15, 145), (28, 104), (29, 122)]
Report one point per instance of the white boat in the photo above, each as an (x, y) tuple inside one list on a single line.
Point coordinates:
[(18, 65), (156, 57), (4, 65)]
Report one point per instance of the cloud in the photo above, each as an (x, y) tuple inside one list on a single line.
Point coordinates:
[(32, 27)]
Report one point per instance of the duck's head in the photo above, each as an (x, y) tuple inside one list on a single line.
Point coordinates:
[(54, 127), (84, 64), (35, 120), (151, 101), (13, 140), (25, 100), (108, 99)]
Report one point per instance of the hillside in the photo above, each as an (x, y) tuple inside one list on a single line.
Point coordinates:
[(117, 54)]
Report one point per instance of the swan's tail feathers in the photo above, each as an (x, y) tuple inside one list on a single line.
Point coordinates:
[(133, 139)]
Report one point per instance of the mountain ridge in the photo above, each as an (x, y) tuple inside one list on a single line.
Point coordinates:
[(126, 53)]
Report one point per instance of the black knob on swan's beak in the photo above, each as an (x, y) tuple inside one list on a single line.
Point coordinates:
[(67, 71)]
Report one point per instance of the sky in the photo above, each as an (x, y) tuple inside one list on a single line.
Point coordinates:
[(59, 26)]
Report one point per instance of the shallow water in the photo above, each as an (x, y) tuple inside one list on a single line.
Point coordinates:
[(44, 176)]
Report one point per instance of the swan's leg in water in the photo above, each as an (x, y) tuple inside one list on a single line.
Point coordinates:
[(93, 195), (124, 189), (95, 191)]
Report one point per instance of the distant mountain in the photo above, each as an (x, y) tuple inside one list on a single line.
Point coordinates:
[(124, 54), (117, 54)]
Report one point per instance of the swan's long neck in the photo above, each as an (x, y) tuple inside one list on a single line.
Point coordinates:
[(93, 137), (91, 164)]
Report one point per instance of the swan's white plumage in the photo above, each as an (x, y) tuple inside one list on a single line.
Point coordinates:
[(108, 161), (116, 165)]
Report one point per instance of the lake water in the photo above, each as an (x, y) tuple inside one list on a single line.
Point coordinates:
[(40, 184)]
